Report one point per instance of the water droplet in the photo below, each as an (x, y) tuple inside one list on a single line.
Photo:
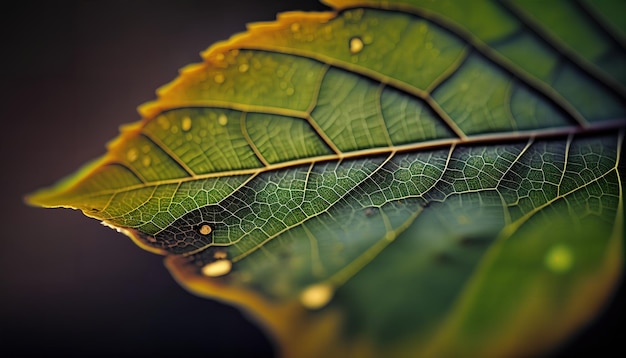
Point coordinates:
[(132, 154), (295, 27), (217, 268), (222, 120), (163, 122), (186, 124), (146, 161), (243, 67), (316, 296), (219, 255), (205, 229), (219, 78), (356, 45), (559, 259), (145, 149), (290, 91), (219, 56), (368, 39)]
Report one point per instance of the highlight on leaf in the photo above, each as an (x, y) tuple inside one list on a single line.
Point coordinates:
[(390, 178)]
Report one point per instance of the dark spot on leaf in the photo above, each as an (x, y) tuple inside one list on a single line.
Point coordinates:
[(473, 241), (370, 211), (443, 258)]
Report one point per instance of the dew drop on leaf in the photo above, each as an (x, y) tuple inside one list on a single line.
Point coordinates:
[(316, 296), (146, 161), (219, 255), (219, 78), (356, 45), (132, 154), (217, 268), (222, 120), (186, 124), (243, 67), (559, 259), (163, 122), (205, 229)]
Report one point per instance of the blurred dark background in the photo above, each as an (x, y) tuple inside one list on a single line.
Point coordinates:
[(72, 72)]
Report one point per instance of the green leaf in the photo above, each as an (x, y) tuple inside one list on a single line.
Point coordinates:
[(393, 178)]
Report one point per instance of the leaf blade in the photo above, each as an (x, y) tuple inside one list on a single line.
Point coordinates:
[(253, 190)]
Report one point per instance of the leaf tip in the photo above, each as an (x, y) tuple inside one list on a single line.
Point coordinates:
[(59, 195), (39, 198)]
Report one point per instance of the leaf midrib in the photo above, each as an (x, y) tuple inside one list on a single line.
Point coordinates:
[(493, 138)]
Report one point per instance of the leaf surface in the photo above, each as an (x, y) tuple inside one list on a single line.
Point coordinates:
[(392, 178)]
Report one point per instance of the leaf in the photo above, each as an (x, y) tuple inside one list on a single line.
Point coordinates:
[(392, 178)]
